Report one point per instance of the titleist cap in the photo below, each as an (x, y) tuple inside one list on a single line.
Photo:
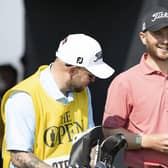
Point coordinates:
[(156, 19), (84, 51)]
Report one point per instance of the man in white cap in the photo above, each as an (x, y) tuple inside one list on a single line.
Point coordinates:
[(137, 100), (44, 112)]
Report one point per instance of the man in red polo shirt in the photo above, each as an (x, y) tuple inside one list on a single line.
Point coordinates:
[(137, 100)]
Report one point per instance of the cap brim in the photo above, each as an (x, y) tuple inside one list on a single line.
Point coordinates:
[(158, 26), (102, 70)]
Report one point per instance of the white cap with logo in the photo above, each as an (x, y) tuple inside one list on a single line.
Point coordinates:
[(84, 51)]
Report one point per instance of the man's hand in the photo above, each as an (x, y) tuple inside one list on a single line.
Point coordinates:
[(158, 142), (93, 157), (26, 160)]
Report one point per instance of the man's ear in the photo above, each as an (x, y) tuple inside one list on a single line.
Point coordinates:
[(142, 36), (72, 70)]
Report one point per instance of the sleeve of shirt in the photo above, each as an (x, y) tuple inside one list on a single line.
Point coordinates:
[(117, 106), (20, 122), (91, 121)]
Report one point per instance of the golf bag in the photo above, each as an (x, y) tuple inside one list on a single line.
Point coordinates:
[(106, 149)]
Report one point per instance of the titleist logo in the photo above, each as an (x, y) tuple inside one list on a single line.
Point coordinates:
[(98, 56), (159, 15)]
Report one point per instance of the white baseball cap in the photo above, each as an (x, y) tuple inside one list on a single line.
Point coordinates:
[(84, 51)]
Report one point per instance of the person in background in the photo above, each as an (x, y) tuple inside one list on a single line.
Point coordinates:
[(8, 78), (137, 99), (45, 111)]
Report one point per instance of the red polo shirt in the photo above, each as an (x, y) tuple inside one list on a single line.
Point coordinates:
[(137, 100)]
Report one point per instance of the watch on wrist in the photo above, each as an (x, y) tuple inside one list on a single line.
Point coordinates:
[(138, 140)]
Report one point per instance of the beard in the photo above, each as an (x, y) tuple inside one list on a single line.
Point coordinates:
[(157, 53), (75, 87), (78, 89)]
